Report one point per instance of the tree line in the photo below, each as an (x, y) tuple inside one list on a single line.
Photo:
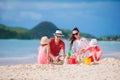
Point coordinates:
[(41, 29)]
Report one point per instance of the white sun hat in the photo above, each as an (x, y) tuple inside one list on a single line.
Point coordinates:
[(93, 42), (58, 33), (44, 40)]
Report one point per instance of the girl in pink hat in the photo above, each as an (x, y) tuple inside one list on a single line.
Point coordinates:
[(43, 51)]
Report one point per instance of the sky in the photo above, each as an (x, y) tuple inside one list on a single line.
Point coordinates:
[(96, 17)]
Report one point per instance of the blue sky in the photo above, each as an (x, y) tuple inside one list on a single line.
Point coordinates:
[(97, 17)]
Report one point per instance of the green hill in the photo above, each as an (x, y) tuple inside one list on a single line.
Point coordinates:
[(44, 28), (87, 35), (22, 33), (48, 28), (14, 29), (19, 30), (7, 32)]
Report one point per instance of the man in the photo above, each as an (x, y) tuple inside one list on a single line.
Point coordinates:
[(56, 45)]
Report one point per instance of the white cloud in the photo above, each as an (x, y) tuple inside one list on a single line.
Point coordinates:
[(21, 16), (32, 15), (18, 5), (37, 5)]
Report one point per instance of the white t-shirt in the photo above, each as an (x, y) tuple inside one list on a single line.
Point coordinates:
[(79, 45)]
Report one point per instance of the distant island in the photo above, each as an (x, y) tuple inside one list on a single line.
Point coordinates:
[(43, 28)]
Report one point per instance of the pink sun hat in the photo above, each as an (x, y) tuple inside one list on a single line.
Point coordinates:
[(44, 40)]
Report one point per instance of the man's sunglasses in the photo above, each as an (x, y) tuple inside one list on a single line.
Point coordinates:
[(75, 34), (59, 36)]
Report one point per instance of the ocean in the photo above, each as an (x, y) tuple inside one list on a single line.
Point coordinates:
[(13, 51)]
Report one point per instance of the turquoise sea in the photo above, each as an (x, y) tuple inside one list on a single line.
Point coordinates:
[(14, 51)]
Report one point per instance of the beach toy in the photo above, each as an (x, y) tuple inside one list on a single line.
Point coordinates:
[(92, 60), (72, 60), (69, 53), (87, 61)]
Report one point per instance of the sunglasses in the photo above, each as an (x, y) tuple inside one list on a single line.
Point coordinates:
[(75, 34), (59, 36)]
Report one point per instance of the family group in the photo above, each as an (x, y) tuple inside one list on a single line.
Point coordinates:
[(53, 50)]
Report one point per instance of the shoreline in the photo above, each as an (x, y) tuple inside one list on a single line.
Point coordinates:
[(17, 60), (105, 69)]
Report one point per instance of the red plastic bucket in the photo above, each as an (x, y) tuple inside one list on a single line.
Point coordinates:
[(72, 61), (92, 60)]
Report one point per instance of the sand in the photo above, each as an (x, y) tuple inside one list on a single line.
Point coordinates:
[(105, 69)]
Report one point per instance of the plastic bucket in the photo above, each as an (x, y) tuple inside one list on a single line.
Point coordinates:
[(72, 61), (92, 60), (87, 61)]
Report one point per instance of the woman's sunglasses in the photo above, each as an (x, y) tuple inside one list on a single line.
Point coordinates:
[(75, 34)]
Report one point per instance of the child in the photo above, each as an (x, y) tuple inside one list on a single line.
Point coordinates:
[(95, 51), (43, 51)]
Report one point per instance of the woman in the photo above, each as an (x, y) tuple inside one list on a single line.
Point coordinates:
[(78, 43)]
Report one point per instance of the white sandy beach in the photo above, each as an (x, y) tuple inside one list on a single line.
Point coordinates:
[(106, 69)]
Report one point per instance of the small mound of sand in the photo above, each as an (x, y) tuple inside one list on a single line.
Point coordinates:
[(109, 60)]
